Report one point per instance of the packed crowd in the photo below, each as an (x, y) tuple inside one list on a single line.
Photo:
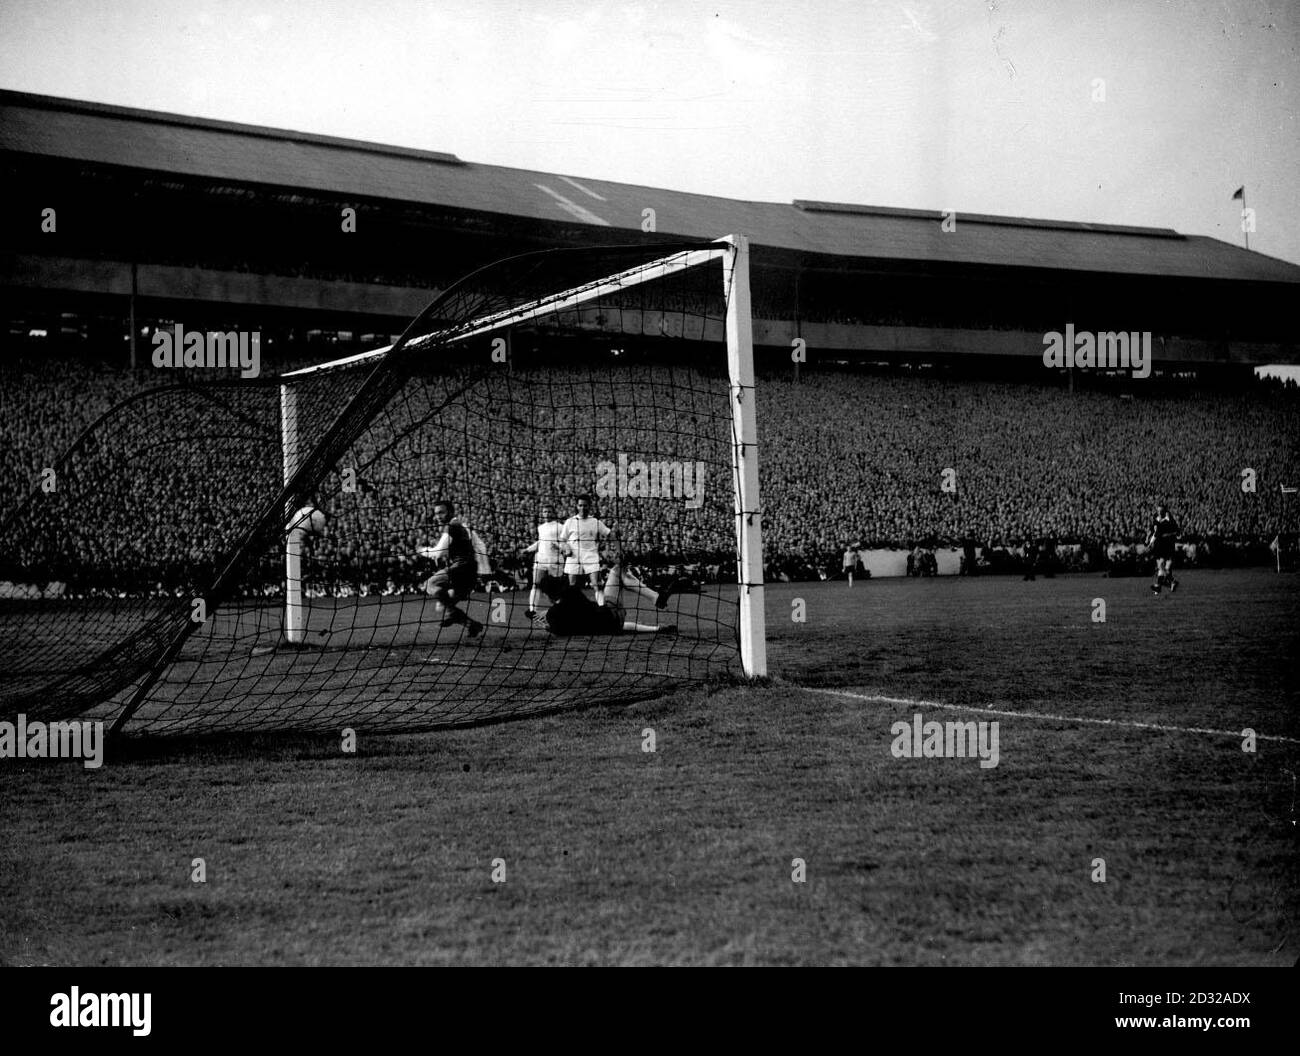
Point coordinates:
[(846, 459), (892, 459)]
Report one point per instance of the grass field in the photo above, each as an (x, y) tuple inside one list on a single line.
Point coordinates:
[(684, 855)]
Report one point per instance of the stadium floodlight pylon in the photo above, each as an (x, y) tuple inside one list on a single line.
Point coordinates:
[(623, 368)]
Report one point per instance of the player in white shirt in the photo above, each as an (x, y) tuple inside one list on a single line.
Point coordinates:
[(582, 537), (548, 551)]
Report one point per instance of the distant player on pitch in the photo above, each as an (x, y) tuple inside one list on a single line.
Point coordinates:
[(1162, 540), (583, 536), (548, 555), (850, 563), (458, 572)]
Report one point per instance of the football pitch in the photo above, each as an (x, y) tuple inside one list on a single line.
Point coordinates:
[(1123, 823)]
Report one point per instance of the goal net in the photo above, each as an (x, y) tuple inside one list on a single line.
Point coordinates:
[(272, 554)]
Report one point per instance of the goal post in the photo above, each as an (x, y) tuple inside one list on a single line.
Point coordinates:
[(733, 251), (749, 521), (293, 543)]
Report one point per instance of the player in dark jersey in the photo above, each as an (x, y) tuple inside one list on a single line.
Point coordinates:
[(1162, 540), (456, 579), (573, 613)]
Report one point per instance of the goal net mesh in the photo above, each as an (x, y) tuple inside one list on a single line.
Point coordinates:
[(150, 580)]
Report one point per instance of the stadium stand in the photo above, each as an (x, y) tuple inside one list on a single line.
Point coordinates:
[(165, 218), (847, 456)]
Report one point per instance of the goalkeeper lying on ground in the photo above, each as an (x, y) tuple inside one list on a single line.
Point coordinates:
[(573, 613)]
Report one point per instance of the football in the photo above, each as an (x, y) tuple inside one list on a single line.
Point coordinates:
[(308, 519)]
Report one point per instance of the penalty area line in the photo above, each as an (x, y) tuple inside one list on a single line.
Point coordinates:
[(909, 702)]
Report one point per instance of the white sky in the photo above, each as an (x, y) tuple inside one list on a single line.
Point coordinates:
[(976, 105)]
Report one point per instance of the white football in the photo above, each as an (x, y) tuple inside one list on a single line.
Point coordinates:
[(309, 520)]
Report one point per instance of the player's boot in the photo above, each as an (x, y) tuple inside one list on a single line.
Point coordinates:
[(539, 618), (474, 628), (669, 629), (1155, 589), (677, 586)]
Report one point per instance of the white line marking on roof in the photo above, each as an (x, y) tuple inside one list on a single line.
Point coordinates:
[(573, 208), (585, 190)]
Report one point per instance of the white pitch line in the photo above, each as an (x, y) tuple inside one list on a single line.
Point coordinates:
[(910, 703)]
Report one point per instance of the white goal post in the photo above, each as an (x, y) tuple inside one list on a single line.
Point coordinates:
[(733, 251)]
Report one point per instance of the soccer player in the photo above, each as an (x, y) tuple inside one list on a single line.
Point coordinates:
[(548, 551), (850, 562), (1031, 558), (455, 579), (573, 613), (1162, 540), (583, 535)]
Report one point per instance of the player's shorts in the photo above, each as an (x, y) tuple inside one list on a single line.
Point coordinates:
[(460, 578), (541, 569), (1164, 564), (581, 564)]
